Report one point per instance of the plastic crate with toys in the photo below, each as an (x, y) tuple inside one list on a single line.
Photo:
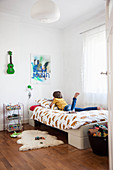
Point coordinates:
[(98, 138)]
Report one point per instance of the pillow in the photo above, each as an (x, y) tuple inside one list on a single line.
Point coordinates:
[(44, 103), (33, 107), (54, 107)]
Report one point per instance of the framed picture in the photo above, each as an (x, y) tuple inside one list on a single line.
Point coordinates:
[(40, 69)]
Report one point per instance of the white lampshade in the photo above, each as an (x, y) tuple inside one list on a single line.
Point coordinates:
[(45, 11)]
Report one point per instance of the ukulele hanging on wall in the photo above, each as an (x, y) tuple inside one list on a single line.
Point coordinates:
[(10, 66)]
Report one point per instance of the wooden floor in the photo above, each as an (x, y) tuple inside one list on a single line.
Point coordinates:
[(62, 157)]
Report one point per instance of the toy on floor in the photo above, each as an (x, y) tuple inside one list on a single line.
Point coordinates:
[(38, 138), (15, 134)]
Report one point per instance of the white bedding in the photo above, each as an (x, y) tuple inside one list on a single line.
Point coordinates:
[(64, 120)]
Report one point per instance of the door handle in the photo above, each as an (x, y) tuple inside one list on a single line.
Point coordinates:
[(104, 73)]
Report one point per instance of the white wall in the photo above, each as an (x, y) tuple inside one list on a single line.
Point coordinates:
[(73, 57), (23, 39), (66, 54)]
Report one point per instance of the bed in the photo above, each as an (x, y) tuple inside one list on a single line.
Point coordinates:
[(76, 128)]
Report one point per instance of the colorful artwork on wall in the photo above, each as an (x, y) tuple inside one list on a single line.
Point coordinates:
[(40, 68)]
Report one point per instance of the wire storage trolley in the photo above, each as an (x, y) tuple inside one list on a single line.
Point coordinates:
[(13, 117)]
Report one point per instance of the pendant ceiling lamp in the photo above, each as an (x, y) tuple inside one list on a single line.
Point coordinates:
[(45, 11)]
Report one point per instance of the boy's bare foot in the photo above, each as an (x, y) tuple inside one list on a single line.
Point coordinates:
[(76, 94), (99, 108)]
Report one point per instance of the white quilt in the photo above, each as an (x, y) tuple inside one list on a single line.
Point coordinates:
[(65, 120)]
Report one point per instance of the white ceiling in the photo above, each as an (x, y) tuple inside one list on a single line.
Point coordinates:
[(71, 10)]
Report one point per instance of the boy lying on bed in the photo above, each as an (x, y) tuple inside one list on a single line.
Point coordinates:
[(62, 105)]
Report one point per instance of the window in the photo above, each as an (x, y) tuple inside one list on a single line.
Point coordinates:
[(95, 62)]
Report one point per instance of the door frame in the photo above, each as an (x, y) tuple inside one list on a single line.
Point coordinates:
[(109, 37)]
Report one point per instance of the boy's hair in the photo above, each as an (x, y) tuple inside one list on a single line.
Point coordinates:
[(57, 94)]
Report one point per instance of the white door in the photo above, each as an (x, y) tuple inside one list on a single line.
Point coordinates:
[(109, 29)]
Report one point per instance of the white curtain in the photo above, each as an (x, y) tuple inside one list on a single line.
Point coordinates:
[(94, 62)]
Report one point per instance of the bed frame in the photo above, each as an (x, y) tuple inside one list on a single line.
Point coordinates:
[(76, 137)]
